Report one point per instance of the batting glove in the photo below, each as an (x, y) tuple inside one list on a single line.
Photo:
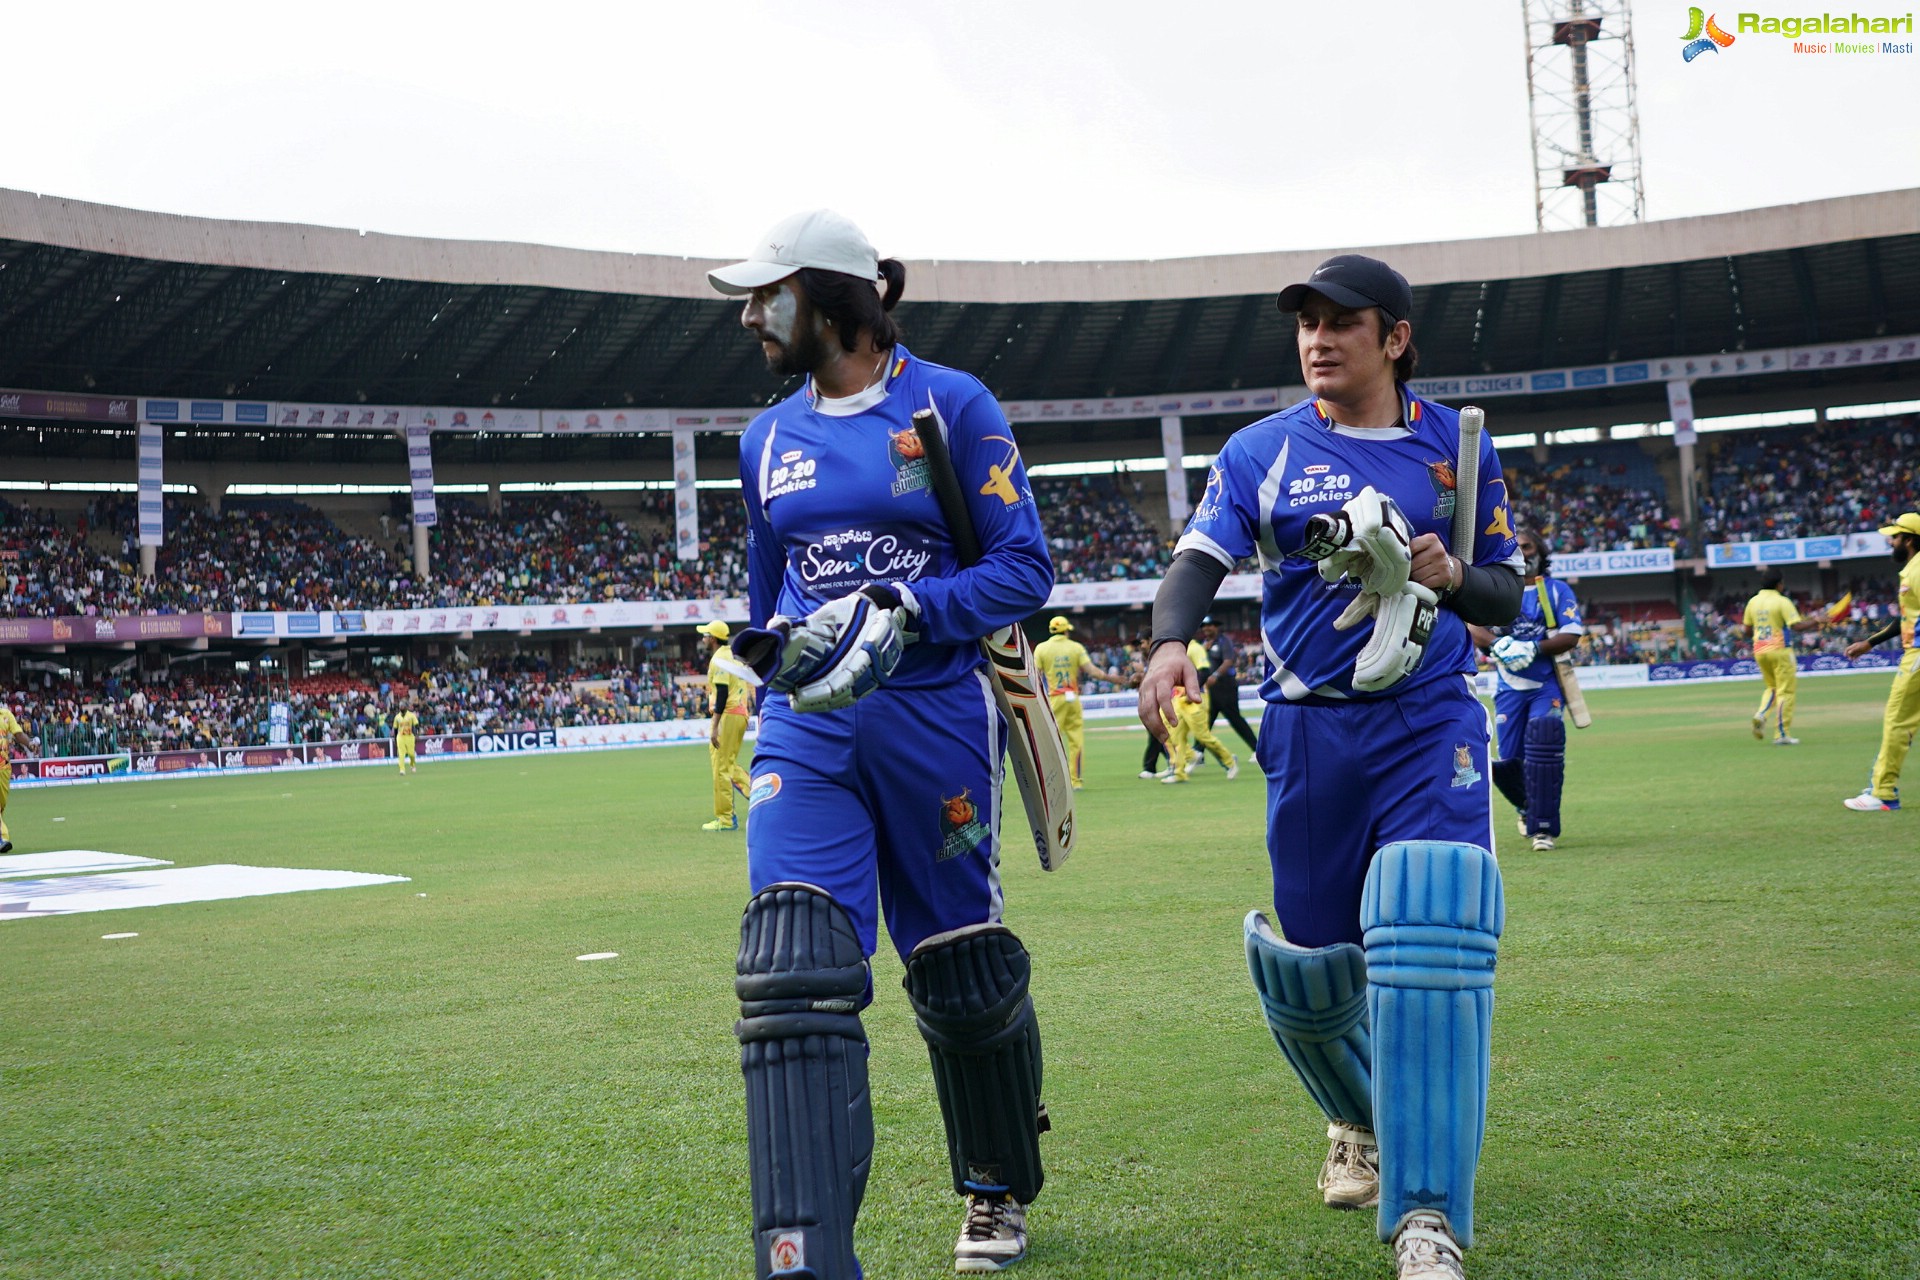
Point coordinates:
[(1515, 655), (1374, 543), (848, 647), (1402, 624)]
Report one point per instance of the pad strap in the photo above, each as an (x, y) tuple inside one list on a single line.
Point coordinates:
[(969, 994)]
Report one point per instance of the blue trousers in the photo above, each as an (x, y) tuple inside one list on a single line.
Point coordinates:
[(1514, 708), (891, 804), (1345, 778)]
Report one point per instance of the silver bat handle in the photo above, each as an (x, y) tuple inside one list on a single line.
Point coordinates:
[(1466, 483)]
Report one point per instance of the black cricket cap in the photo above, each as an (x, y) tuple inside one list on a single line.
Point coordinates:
[(1357, 281)]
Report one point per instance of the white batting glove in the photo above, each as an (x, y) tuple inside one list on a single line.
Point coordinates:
[(1515, 655), (1377, 550), (1402, 624), (849, 646)]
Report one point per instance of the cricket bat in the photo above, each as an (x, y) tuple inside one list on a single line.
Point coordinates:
[(1570, 691), (1034, 745)]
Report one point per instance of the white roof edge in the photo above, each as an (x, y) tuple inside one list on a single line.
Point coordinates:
[(77, 224)]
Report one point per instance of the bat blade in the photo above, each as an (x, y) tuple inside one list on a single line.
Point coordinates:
[(1570, 692), (1466, 483)]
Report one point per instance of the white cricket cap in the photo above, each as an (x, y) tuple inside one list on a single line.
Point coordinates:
[(818, 238)]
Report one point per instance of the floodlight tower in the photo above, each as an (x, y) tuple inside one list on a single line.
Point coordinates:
[(1580, 100)]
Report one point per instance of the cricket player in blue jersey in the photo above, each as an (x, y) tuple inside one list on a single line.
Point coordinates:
[(876, 782), (1532, 738), (1378, 985)]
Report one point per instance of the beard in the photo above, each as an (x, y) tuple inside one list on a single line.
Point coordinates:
[(805, 353), (1902, 552)]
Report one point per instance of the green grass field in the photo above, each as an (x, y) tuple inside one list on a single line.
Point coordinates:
[(1705, 1048)]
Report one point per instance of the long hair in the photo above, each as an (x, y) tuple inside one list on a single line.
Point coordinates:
[(851, 304)]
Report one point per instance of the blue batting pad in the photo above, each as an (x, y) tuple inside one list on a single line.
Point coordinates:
[(1315, 999), (1545, 754), (1432, 914)]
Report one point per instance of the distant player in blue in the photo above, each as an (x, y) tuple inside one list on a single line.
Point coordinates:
[(1532, 767), (876, 781), (1379, 821)]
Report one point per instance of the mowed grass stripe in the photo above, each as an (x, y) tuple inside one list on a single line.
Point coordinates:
[(1705, 1044)]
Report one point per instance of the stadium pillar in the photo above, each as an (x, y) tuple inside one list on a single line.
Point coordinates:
[(493, 498), (149, 558), (1680, 409), (421, 569), (1173, 444)]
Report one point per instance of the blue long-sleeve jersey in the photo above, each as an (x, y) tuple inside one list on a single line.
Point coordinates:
[(836, 501), (1277, 473)]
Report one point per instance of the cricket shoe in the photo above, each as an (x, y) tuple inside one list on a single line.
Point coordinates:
[(1523, 826), (1172, 778), (1543, 843), (994, 1235), (1867, 802), (729, 823), (1350, 1179), (1148, 775), (1784, 741), (1760, 728), (1424, 1248), (6, 846), (1233, 771)]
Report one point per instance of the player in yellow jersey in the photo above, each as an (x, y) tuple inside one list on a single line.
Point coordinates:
[(1190, 726), (404, 724), (1770, 620), (1903, 701), (13, 737), (730, 686), (1061, 660)]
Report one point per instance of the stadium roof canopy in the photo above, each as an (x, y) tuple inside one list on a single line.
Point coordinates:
[(104, 301)]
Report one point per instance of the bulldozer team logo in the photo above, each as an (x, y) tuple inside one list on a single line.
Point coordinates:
[(1464, 774), (961, 830), (1440, 475), (909, 459)]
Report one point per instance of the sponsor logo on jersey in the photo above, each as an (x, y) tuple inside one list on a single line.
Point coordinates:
[(1208, 509), (1000, 477), (765, 787), (909, 459), (795, 474), (1464, 774), (1317, 469), (961, 830), (835, 563)]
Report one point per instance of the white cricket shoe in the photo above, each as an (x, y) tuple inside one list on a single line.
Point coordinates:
[(1350, 1179), (1170, 778), (1867, 802), (1523, 826), (1424, 1248), (1784, 741), (1233, 771), (1543, 844), (994, 1235), (1760, 727), (1148, 775)]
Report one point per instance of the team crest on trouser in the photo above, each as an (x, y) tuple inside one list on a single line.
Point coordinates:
[(961, 830), (1464, 774)]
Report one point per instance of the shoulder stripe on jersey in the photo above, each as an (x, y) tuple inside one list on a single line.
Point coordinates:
[(1193, 541), (1270, 553), (766, 458)]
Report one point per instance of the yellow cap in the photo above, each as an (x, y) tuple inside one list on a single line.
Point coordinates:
[(717, 629), (1908, 523), (1059, 626)]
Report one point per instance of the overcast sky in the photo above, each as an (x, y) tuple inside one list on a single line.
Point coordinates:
[(1007, 129)]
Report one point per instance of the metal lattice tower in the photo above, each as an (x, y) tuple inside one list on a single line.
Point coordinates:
[(1580, 100)]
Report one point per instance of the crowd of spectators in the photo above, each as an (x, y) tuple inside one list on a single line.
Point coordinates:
[(122, 713), (1095, 530), (1832, 477)]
